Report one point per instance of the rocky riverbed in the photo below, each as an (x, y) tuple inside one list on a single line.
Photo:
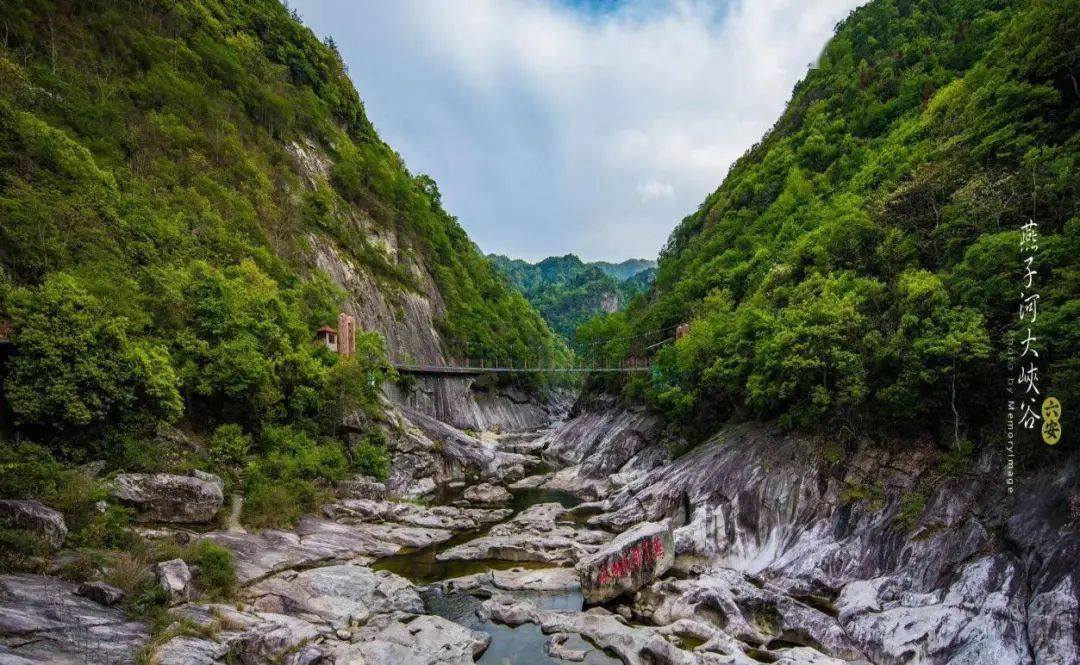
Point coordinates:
[(584, 541)]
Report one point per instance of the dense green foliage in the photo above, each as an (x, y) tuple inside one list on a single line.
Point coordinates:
[(568, 292), (165, 169), (861, 266), (624, 270)]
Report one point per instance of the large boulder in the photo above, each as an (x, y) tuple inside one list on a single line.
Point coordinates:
[(175, 578), (630, 561), (337, 595), (164, 497), (487, 493), (35, 517), (359, 486)]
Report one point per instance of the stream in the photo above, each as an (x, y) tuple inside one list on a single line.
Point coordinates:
[(520, 645)]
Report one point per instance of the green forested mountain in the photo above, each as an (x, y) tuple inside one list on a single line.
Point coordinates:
[(165, 168), (861, 264), (624, 270), (568, 292)]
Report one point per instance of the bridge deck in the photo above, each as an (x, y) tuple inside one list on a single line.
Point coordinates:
[(472, 371)]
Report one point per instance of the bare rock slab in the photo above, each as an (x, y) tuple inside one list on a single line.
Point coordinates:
[(165, 497), (336, 595), (44, 620), (408, 639), (630, 561)]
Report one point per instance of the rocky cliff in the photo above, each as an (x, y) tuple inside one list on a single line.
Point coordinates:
[(868, 552)]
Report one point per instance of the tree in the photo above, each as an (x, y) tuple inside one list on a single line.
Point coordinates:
[(77, 372)]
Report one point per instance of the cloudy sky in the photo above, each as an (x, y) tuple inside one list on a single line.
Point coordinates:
[(584, 126)]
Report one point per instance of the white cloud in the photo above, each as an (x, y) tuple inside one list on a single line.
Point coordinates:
[(652, 189), (553, 130)]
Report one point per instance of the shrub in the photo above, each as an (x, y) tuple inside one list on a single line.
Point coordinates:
[(107, 529), (279, 504), (215, 573), (370, 457), (229, 445), (28, 471), (912, 505), (957, 460)]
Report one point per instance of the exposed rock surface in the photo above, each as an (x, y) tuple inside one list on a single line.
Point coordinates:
[(556, 648), (164, 497), (535, 534), (436, 517), (361, 487), (100, 592), (337, 595), (602, 439), (313, 541), (633, 559), (35, 517), (487, 493), (44, 620), (633, 645), (428, 453), (407, 639), (243, 636), (174, 578), (935, 586), (477, 403)]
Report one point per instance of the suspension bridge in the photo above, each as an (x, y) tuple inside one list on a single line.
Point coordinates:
[(636, 362)]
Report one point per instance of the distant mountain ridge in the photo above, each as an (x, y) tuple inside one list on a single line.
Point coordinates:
[(568, 292)]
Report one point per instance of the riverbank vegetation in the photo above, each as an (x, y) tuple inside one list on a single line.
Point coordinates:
[(165, 169), (860, 268)]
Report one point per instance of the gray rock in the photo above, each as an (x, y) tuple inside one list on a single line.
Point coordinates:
[(634, 645), (175, 578), (361, 487), (630, 561), (532, 535), (556, 648), (408, 639), (44, 620), (243, 636), (336, 595), (256, 555), (436, 517), (100, 592), (164, 497), (33, 516), (602, 440), (546, 579), (487, 493)]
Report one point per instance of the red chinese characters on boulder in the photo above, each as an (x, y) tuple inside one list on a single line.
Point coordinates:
[(645, 553)]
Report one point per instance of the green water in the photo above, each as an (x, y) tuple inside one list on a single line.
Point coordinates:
[(520, 645), (524, 498)]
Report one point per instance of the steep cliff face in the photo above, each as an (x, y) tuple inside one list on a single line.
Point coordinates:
[(479, 403), (881, 548)]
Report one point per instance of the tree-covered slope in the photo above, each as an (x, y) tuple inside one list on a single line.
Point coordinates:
[(568, 292), (166, 170), (861, 264)]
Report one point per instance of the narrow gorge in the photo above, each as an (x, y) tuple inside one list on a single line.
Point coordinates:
[(485, 543), (822, 428)]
